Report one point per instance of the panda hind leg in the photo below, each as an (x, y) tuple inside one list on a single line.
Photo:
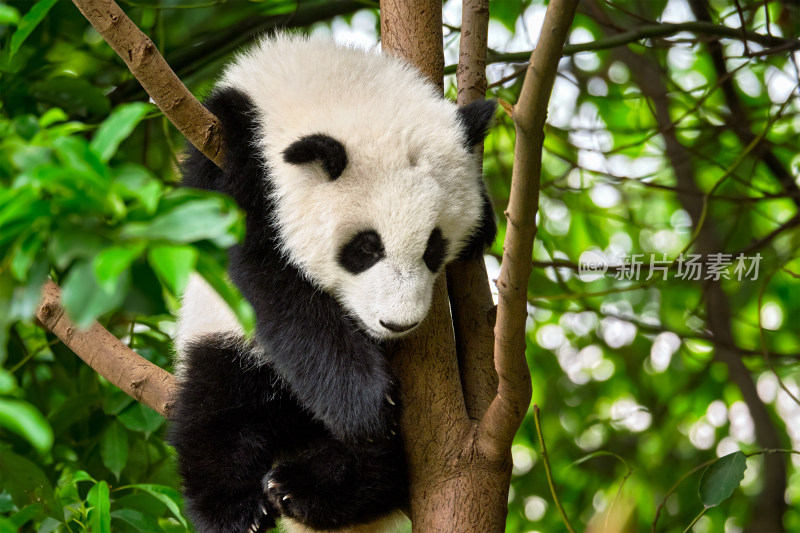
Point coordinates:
[(226, 424), (333, 486)]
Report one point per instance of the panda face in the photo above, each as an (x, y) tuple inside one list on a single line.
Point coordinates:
[(376, 231), (390, 296)]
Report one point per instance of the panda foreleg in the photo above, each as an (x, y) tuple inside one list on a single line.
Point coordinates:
[(332, 486)]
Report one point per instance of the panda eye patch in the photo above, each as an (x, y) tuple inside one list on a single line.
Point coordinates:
[(361, 252), (435, 250)]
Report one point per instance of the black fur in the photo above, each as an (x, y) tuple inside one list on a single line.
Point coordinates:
[(244, 443), (435, 250), (318, 358), (318, 147), (362, 252), (477, 118)]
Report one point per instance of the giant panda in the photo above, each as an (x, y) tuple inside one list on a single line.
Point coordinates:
[(359, 185)]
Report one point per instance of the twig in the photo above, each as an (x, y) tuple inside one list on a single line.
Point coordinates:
[(696, 518), (548, 472), (650, 31), (674, 487)]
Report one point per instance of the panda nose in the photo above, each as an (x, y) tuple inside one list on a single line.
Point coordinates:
[(398, 328)]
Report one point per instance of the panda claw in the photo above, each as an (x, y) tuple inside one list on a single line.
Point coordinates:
[(389, 399), (287, 498), (263, 510), (272, 484), (253, 528)]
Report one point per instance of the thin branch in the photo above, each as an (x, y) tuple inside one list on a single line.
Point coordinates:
[(468, 285), (193, 120), (651, 31), (508, 408), (548, 472), (121, 366)]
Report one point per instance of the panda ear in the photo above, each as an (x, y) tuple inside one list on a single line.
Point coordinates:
[(477, 118), (318, 147)]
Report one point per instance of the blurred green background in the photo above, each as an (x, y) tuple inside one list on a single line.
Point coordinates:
[(666, 135)]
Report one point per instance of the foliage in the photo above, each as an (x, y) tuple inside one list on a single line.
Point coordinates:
[(635, 388)]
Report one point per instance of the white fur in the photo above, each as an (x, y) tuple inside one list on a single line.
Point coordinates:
[(391, 523), (202, 312), (408, 170)]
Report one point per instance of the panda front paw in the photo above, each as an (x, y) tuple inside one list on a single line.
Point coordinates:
[(289, 489)]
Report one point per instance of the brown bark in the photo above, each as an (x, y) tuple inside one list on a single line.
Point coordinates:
[(135, 375), (529, 113), (193, 120), (412, 29), (470, 295), (459, 469)]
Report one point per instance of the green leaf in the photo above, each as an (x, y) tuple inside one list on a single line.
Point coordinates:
[(116, 401), (114, 448), (112, 262), (204, 218), (24, 255), (100, 512), (85, 300), (138, 520), (138, 417), (721, 478), (26, 483), (506, 11), (29, 22), (76, 96), (136, 182), (7, 526), (26, 514), (27, 421), (9, 15), (168, 496), (116, 128), (173, 265), (70, 243), (52, 116)]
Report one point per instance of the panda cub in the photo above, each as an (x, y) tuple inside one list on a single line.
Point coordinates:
[(359, 184)]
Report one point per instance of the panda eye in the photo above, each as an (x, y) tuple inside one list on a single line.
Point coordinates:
[(361, 252), (435, 250)]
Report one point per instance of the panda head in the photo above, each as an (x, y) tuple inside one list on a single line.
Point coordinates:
[(373, 222), (374, 186)]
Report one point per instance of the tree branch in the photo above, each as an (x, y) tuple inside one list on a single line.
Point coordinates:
[(193, 120), (507, 410), (470, 296), (121, 366)]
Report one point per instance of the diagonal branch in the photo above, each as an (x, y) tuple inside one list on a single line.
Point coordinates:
[(508, 408), (193, 120), (135, 375)]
